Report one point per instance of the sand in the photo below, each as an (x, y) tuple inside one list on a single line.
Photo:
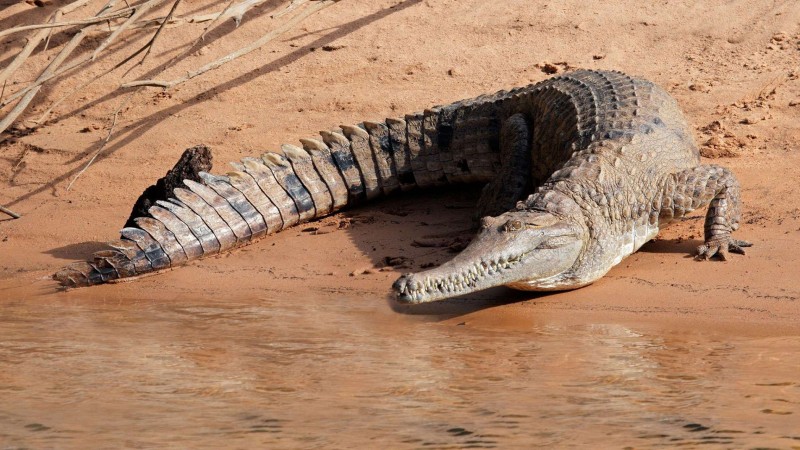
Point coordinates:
[(734, 68)]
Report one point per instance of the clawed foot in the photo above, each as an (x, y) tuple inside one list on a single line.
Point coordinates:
[(720, 246)]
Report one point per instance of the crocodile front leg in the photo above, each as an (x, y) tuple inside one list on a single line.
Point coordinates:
[(706, 185), (512, 180)]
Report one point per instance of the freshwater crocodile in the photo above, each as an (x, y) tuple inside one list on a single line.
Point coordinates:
[(580, 170)]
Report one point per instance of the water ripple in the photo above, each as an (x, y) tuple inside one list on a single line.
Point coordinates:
[(317, 373)]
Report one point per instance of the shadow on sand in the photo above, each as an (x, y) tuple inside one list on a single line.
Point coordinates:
[(141, 126)]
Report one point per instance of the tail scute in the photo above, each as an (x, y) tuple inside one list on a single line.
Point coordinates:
[(328, 171), (223, 208), (183, 234), (169, 244), (236, 200), (269, 185), (303, 167), (134, 254), (270, 215), (400, 154), (204, 235), (208, 215), (362, 153), (276, 191), (119, 265), (381, 148), (347, 165), (75, 274), (152, 249), (289, 181)]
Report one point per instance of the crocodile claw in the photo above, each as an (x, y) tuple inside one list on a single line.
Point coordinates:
[(720, 246)]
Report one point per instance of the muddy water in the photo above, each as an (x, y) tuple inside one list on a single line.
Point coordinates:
[(350, 372)]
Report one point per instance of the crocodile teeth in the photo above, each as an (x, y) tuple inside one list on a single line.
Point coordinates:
[(463, 280)]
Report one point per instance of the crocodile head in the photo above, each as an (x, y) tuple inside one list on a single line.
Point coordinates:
[(527, 250)]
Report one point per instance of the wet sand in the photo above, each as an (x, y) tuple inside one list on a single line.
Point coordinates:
[(294, 341)]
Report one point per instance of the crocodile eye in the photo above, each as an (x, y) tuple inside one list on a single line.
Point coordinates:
[(513, 225)]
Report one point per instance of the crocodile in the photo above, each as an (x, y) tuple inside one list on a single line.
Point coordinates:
[(579, 171)]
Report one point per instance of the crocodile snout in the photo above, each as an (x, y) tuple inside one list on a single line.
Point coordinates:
[(403, 288)]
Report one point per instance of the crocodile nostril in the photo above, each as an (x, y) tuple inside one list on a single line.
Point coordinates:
[(401, 283)]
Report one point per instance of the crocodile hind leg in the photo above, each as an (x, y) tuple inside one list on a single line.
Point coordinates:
[(713, 186), (512, 180)]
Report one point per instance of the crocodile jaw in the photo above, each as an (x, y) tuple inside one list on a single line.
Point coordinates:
[(535, 256)]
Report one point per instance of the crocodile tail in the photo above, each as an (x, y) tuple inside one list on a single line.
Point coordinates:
[(261, 196)]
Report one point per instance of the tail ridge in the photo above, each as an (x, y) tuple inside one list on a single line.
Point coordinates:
[(264, 195)]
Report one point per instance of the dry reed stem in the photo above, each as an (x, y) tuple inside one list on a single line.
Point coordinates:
[(138, 13), (74, 65), (294, 4), (26, 99), (144, 7), (83, 85), (258, 43), (149, 47), (46, 74), (36, 39), (126, 12), (153, 40), (105, 141), (54, 69), (232, 56), (9, 212)]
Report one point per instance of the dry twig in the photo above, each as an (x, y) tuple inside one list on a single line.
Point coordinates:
[(9, 212), (26, 99), (256, 44), (134, 18), (153, 40), (230, 11), (232, 56), (53, 70), (216, 19), (138, 13), (87, 59), (125, 12), (148, 47), (294, 4), (49, 72), (36, 39), (105, 141), (26, 51), (238, 10)]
